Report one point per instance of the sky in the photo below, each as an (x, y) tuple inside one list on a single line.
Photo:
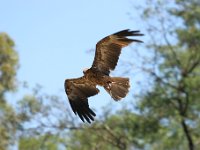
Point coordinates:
[(52, 37)]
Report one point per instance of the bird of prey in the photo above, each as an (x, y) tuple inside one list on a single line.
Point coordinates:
[(106, 57)]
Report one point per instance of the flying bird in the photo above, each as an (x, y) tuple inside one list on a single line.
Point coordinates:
[(106, 57)]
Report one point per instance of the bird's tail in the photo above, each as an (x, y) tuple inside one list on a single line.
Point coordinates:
[(117, 87)]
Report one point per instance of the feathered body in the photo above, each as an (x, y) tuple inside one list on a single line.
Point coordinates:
[(117, 87)]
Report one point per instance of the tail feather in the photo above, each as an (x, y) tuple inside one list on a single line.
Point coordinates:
[(117, 87)]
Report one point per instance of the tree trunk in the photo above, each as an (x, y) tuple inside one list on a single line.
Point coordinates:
[(188, 136)]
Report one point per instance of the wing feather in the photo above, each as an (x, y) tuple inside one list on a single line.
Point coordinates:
[(109, 48), (78, 90)]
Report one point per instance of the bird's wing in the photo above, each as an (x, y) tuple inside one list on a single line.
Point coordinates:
[(109, 48), (78, 90)]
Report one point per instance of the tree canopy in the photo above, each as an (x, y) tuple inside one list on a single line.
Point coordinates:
[(8, 68)]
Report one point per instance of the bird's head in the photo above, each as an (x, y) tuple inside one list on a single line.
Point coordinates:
[(85, 70)]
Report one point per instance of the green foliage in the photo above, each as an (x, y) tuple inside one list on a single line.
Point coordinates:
[(189, 11), (45, 142), (8, 66), (29, 106), (8, 125), (125, 130), (175, 93)]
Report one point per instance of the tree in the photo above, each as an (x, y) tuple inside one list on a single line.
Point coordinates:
[(123, 130), (44, 121), (174, 97), (8, 66)]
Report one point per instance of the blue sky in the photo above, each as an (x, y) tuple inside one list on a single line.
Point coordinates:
[(52, 37)]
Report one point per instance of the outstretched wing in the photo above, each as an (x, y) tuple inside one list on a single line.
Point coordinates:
[(109, 48), (78, 90)]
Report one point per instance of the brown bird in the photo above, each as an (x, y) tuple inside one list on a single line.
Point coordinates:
[(106, 57)]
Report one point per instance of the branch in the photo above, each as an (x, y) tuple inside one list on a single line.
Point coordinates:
[(120, 144), (168, 42), (160, 78), (187, 133), (192, 67)]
